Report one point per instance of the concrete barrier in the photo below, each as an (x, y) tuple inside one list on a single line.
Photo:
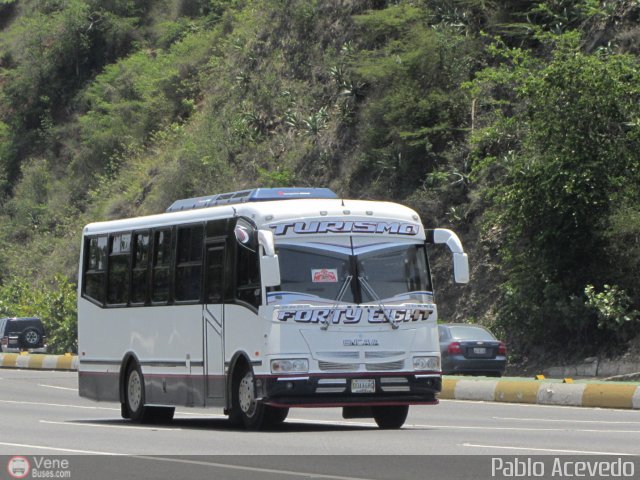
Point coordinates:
[(39, 361), (587, 394)]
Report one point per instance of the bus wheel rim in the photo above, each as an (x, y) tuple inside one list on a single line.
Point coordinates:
[(246, 395), (134, 390)]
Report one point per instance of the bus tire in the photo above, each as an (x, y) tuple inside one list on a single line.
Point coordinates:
[(390, 418), (275, 416), (134, 396), (159, 414), (245, 405)]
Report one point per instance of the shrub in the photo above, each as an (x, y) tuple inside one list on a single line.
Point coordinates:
[(578, 144)]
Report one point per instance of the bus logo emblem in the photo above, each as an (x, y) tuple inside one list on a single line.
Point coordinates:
[(360, 342)]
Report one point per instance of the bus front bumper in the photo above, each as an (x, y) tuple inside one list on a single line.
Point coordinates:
[(360, 389)]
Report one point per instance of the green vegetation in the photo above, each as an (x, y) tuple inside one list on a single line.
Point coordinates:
[(54, 303), (517, 123), (572, 159)]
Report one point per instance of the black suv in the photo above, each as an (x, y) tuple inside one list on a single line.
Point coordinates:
[(23, 333)]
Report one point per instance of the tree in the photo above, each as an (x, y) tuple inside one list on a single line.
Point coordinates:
[(576, 154)]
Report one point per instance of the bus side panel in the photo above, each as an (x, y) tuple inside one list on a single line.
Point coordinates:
[(245, 332), (167, 342), (100, 386), (185, 390)]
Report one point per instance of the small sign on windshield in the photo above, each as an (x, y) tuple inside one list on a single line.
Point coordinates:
[(324, 275)]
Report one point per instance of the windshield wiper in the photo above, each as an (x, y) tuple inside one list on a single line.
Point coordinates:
[(324, 323), (369, 289)]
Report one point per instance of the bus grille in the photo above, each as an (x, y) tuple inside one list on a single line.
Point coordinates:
[(338, 367), (350, 354), (372, 367), (382, 354), (353, 367)]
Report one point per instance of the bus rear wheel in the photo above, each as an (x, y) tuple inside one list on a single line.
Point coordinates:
[(134, 407), (390, 418), (134, 396)]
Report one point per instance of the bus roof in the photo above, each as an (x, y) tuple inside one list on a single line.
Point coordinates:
[(266, 212), (255, 195)]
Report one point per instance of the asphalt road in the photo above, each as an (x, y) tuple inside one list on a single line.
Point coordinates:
[(41, 414)]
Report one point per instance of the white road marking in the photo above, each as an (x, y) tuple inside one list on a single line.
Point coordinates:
[(247, 468), (339, 422), (99, 425), (57, 449), (459, 427), (332, 422), (198, 414), (190, 414), (56, 387), (563, 420), (537, 405), (63, 405), (555, 450), (11, 373), (521, 429)]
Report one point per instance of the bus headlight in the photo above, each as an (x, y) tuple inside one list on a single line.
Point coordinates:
[(290, 365), (426, 363)]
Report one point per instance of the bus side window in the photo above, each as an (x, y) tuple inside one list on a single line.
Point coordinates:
[(119, 257), (95, 269), (215, 274), (140, 268), (161, 266), (189, 263)]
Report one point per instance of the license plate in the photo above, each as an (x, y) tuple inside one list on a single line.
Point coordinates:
[(360, 385), (479, 350)]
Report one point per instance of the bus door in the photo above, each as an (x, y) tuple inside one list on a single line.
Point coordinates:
[(213, 319)]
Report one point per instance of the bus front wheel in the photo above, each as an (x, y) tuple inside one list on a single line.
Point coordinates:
[(134, 407), (246, 406), (390, 418), (247, 409), (276, 416)]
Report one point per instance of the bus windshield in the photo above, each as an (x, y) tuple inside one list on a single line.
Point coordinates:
[(389, 272)]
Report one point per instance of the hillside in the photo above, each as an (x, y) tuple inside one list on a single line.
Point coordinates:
[(515, 123)]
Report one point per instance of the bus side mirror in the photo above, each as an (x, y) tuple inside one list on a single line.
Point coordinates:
[(269, 266), (460, 259), (270, 270), (265, 238), (461, 268)]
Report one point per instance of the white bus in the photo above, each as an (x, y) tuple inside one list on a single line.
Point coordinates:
[(260, 300)]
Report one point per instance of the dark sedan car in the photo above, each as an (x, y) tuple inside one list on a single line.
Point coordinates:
[(471, 349)]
